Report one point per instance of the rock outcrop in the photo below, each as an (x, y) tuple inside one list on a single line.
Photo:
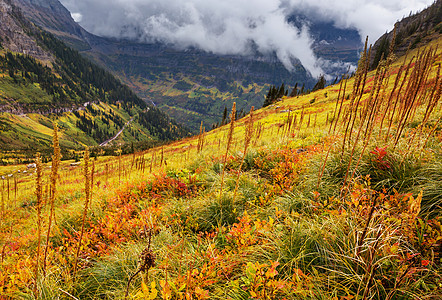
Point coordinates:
[(13, 35)]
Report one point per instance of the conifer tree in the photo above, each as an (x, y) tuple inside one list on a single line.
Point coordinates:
[(320, 84), (294, 92)]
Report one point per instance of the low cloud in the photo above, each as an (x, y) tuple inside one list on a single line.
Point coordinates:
[(371, 18), (237, 26), (77, 17)]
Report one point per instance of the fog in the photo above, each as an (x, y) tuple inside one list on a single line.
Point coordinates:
[(238, 26)]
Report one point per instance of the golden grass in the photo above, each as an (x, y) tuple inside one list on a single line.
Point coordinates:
[(284, 117)]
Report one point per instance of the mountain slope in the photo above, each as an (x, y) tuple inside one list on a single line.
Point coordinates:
[(41, 75), (411, 32)]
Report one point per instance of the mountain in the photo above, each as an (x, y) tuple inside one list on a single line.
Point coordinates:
[(411, 32), (193, 85), (43, 81)]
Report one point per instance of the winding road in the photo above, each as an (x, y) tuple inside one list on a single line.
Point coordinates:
[(119, 132)]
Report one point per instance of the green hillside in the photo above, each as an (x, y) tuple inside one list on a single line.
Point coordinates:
[(92, 105)]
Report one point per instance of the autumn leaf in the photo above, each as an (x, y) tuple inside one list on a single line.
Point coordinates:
[(272, 271), (165, 289)]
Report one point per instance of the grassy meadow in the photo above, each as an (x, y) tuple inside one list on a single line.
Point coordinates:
[(332, 195)]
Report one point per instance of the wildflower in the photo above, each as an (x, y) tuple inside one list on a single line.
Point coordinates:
[(425, 262), (381, 153)]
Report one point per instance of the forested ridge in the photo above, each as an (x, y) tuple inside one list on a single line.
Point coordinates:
[(69, 82)]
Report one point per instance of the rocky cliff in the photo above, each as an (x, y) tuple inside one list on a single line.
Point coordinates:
[(13, 35)]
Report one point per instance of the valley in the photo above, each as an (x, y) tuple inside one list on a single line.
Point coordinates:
[(169, 76)]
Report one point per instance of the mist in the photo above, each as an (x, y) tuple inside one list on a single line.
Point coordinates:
[(238, 27)]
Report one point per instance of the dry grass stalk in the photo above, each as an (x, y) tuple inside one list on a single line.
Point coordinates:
[(351, 113), (370, 270), (92, 177), (431, 132), (434, 96), (377, 102), (431, 104), (106, 167), (145, 261), (87, 178), (289, 123), (151, 161), (340, 106), (144, 164), (418, 77), (133, 160), (67, 294), (200, 139), (361, 70), (203, 138), (56, 157), (336, 106), (365, 61), (6, 243), (358, 88), (247, 138), (294, 124), (367, 223), (397, 102), (15, 191), (39, 194), (229, 143), (390, 99), (8, 188), (421, 96), (46, 194), (3, 200), (300, 121), (368, 118), (347, 121), (119, 163)]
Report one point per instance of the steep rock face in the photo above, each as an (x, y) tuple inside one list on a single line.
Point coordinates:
[(51, 15), (55, 18), (14, 36)]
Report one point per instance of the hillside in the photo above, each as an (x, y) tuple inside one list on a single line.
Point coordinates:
[(43, 80), (331, 195), (192, 85), (411, 32)]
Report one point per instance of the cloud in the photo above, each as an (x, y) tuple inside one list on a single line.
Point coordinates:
[(77, 17), (237, 26), (371, 18)]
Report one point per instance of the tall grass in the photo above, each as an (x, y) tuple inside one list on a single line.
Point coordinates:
[(38, 192), (247, 139), (56, 157), (228, 145), (87, 189)]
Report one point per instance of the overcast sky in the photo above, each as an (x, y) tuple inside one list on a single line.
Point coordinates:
[(233, 26)]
